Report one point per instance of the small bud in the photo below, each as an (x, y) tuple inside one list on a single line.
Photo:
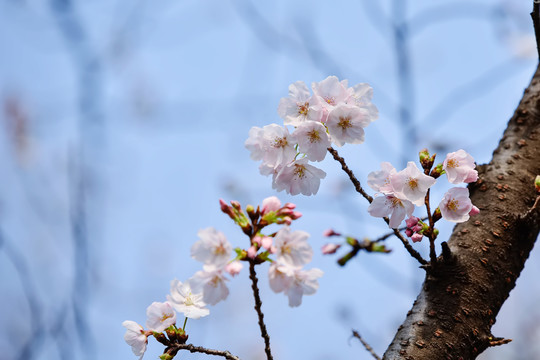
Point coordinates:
[(436, 215), (474, 211), (351, 241), (412, 221), (376, 247), (426, 160), (409, 232), (537, 184), (290, 206), (166, 357), (330, 232), (233, 268), (252, 252), (437, 171), (330, 248), (435, 233), (417, 237)]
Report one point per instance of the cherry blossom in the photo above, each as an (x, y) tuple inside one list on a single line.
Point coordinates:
[(380, 180), (292, 247), (211, 281), (271, 203), (312, 140), (459, 167), (234, 268), (361, 95), (411, 184), (293, 281), (299, 106), (185, 301), (160, 315), (299, 177), (456, 205), (135, 337), (273, 144), (212, 248), (346, 124), (331, 90), (389, 205)]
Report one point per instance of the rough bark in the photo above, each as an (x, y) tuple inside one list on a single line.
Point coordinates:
[(461, 297)]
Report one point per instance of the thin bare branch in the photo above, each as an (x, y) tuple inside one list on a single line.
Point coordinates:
[(258, 305), (199, 349), (366, 345)]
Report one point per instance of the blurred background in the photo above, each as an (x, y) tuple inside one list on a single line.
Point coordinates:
[(123, 122)]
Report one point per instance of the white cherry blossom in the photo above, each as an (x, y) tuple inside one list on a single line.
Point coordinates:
[(160, 315), (292, 247), (212, 248), (411, 184), (380, 180), (389, 205), (299, 177), (312, 139), (456, 205), (211, 282), (293, 281), (346, 124), (331, 90), (185, 301), (361, 95), (135, 337), (459, 167), (273, 144), (300, 106)]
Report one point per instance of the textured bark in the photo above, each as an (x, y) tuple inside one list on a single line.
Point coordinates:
[(461, 297)]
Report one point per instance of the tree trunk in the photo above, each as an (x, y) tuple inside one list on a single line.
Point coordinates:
[(461, 297)]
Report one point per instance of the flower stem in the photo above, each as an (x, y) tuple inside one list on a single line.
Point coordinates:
[(258, 304), (185, 322), (432, 253)]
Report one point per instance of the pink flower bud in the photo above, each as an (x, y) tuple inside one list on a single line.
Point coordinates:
[(412, 221), (289, 206), (416, 237), (269, 204), (252, 252), (266, 242), (417, 228), (330, 248), (257, 240), (409, 232), (330, 232), (474, 211), (234, 267), (296, 215)]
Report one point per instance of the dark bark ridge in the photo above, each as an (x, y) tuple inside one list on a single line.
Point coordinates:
[(461, 297)]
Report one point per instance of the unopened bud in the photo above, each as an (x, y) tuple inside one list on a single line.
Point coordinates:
[(437, 171), (426, 160), (330, 232), (474, 211), (330, 248), (537, 183), (436, 215), (416, 237)]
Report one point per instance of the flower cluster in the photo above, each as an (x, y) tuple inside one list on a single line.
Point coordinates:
[(400, 191), (290, 248), (334, 113), (161, 317)]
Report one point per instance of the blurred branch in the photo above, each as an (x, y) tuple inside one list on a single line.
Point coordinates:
[(470, 91), (376, 16), (451, 11)]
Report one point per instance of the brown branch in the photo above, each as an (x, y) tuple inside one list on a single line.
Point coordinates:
[(460, 299), (366, 345), (349, 172), (174, 348), (258, 305), (536, 22)]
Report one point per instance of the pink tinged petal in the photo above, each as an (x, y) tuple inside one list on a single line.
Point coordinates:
[(186, 301), (252, 252), (409, 232), (392, 206), (346, 124), (456, 205), (459, 167), (412, 221), (304, 283), (211, 282), (135, 337), (292, 247), (331, 90), (380, 180), (280, 277), (267, 242), (160, 316)]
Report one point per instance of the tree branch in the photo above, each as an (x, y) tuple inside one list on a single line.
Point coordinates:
[(258, 305), (460, 299)]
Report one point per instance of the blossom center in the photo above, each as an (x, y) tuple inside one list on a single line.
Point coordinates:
[(395, 202), (215, 281), (165, 317), (413, 183), (344, 122), (330, 100), (303, 108), (188, 301), (313, 136), (299, 171), (453, 205), (280, 142), (452, 163), (220, 250)]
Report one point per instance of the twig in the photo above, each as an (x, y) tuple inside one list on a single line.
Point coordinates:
[(258, 304), (361, 191), (499, 342), (432, 253), (387, 235), (199, 349), (366, 345), (349, 172)]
